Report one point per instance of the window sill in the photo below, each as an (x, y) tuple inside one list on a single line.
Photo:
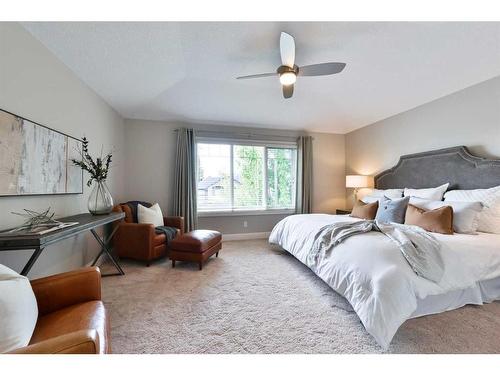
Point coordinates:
[(246, 213)]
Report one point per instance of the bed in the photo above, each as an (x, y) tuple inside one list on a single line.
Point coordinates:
[(370, 272)]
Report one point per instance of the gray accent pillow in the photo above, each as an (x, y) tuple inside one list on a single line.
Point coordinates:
[(392, 210)]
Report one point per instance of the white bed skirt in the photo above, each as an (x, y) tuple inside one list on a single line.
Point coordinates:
[(483, 292)]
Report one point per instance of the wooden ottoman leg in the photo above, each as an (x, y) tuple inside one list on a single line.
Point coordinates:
[(217, 254), (173, 263), (200, 265)]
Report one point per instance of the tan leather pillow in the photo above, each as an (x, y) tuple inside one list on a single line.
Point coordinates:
[(439, 220), (365, 211)]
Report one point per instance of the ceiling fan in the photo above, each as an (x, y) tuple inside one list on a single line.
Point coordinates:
[(288, 71)]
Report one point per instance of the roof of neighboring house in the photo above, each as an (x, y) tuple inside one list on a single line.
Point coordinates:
[(210, 181)]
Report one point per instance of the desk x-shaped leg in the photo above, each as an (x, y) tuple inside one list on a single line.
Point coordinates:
[(31, 261), (106, 250)]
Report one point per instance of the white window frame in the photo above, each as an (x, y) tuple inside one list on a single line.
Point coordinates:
[(247, 142)]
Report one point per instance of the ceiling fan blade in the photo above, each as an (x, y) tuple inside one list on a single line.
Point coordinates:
[(287, 49), (287, 91), (321, 69), (257, 75)]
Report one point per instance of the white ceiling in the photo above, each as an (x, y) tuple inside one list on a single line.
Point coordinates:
[(186, 71)]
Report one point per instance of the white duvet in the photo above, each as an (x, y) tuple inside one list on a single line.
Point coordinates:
[(373, 275)]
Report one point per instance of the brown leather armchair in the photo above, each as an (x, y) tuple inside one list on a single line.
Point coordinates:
[(139, 241), (71, 316)]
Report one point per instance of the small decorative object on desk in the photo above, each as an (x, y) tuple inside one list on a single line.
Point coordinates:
[(100, 199), (38, 223)]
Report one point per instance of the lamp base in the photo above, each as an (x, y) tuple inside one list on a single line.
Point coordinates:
[(355, 197)]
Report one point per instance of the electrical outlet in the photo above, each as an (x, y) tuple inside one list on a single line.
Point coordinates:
[(245, 224)]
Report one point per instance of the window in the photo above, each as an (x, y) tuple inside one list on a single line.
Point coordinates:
[(245, 177), (214, 173)]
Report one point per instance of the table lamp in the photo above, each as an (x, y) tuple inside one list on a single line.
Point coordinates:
[(357, 182)]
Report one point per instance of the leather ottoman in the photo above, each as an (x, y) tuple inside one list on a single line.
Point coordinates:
[(195, 246)]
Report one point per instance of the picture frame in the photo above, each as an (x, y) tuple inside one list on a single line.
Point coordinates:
[(35, 159)]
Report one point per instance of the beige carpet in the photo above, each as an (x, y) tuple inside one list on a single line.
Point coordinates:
[(258, 299)]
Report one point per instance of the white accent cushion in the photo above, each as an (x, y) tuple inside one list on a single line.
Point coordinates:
[(18, 310), (465, 214), (151, 215), (434, 194), (489, 218)]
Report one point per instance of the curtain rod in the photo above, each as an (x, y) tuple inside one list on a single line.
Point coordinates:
[(214, 132)]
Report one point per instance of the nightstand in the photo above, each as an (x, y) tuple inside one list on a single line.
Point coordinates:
[(342, 212)]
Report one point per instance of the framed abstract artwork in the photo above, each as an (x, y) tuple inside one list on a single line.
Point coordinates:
[(36, 160)]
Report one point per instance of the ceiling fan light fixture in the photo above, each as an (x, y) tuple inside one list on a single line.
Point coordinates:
[(288, 78), (288, 71)]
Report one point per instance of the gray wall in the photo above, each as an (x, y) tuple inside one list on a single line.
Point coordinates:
[(470, 117), (36, 85), (150, 159)]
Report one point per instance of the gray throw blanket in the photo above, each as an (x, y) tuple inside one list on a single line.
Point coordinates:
[(168, 231), (420, 248)]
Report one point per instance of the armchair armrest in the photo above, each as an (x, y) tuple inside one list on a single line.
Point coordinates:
[(65, 289), (175, 222), (130, 233), (79, 342)]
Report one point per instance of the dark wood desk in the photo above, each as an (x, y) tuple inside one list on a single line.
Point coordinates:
[(37, 242)]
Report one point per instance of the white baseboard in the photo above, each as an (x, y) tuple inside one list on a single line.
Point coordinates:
[(245, 236)]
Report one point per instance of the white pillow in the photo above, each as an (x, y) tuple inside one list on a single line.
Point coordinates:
[(370, 199), (389, 193), (376, 194), (489, 218), (18, 310), (465, 214), (433, 194), (150, 215)]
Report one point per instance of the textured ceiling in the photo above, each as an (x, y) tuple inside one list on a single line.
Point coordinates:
[(186, 71)]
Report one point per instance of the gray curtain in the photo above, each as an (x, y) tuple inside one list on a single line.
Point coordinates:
[(185, 178), (304, 175)]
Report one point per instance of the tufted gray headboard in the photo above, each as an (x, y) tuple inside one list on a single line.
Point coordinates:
[(455, 165)]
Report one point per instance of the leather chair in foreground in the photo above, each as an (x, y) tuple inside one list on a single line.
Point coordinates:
[(71, 316), (140, 241)]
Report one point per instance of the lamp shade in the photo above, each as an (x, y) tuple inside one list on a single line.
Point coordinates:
[(358, 181)]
